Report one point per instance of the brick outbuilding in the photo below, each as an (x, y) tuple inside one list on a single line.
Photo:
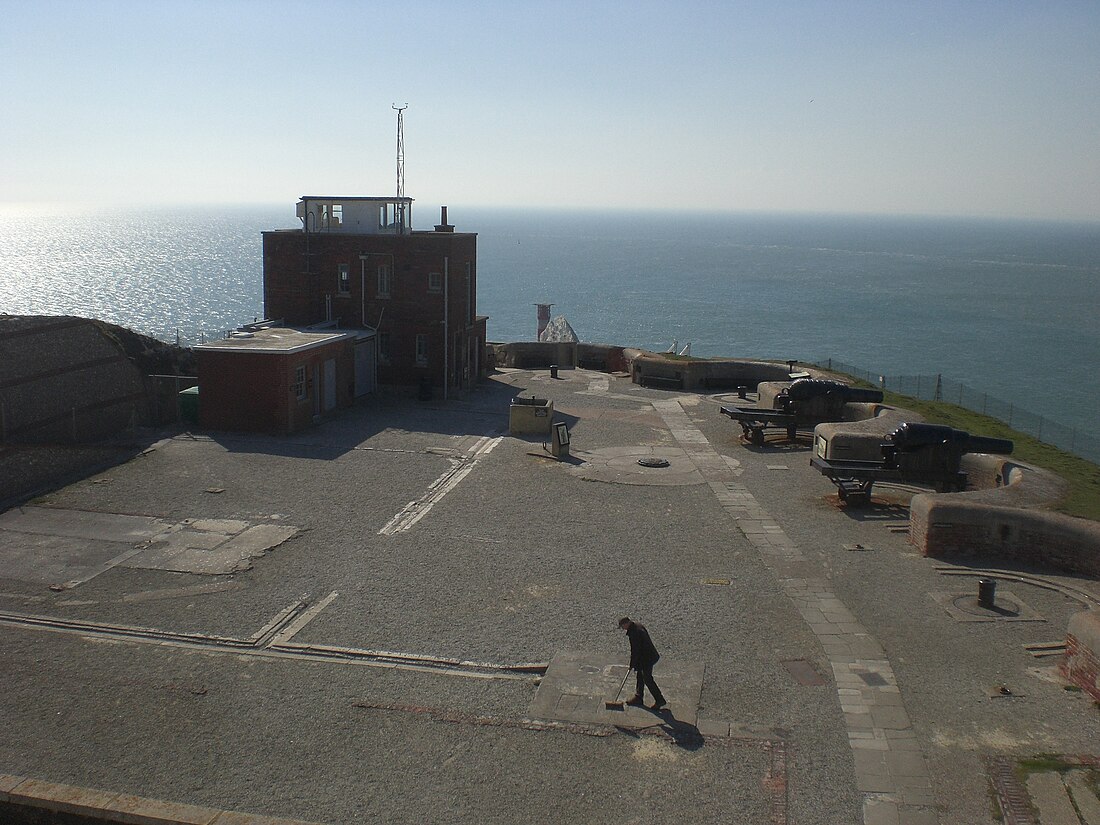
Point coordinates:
[(279, 379)]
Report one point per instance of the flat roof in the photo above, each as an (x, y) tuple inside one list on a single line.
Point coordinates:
[(348, 198), (281, 340)]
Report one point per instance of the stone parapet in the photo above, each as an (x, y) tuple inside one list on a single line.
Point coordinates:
[(942, 525)]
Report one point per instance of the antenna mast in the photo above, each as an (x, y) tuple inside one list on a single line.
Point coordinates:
[(400, 216)]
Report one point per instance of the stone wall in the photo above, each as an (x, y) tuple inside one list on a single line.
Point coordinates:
[(950, 525), (697, 375)]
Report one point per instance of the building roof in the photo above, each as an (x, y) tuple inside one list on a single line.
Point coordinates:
[(281, 340), (353, 198)]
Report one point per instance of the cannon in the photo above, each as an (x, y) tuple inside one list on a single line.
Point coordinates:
[(803, 405), (918, 453)]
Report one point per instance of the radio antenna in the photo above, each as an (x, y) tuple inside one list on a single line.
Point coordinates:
[(400, 216)]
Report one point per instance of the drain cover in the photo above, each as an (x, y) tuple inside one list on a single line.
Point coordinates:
[(653, 462)]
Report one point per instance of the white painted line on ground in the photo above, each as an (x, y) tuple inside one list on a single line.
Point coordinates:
[(416, 510)]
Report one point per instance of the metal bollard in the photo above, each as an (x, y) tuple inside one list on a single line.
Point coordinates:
[(553, 370), (987, 592)]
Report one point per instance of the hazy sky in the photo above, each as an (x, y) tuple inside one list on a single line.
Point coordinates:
[(984, 108)]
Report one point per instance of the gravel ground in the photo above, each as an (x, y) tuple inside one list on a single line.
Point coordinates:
[(520, 560)]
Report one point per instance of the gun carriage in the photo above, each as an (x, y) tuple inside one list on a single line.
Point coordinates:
[(919, 453), (801, 406)]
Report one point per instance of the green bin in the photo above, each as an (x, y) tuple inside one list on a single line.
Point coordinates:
[(189, 405)]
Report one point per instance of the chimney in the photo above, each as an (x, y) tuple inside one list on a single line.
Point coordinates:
[(443, 226), (543, 318)]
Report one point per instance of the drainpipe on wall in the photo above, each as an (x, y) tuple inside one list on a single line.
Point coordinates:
[(446, 330)]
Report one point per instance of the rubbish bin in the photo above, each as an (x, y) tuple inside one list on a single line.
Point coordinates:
[(189, 405)]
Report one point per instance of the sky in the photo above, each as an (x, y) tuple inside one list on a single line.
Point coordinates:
[(880, 107)]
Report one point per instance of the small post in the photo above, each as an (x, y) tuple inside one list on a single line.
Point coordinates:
[(987, 592), (917, 393), (1040, 435), (1010, 415), (939, 387)]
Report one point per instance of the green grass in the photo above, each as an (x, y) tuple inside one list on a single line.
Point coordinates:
[(1083, 477)]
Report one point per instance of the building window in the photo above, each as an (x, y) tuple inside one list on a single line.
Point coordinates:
[(422, 349), (384, 347), (435, 282), (337, 214), (383, 216), (385, 281), (299, 385), (343, 279)]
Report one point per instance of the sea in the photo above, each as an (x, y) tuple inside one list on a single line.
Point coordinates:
[(1008, 308)]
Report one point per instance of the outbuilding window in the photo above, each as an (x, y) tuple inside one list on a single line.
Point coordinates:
[(299, 385), (343, 279), (385, 281), (435, 282), (422, 349)]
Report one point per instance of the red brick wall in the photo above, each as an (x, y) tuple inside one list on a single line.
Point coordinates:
[(1082, 663), (946, 525), (300, 297), (253, 392)]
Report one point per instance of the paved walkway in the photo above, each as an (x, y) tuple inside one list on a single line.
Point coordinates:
[(890, 768)]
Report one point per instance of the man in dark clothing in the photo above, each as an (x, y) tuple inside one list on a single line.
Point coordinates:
[(643, 656)]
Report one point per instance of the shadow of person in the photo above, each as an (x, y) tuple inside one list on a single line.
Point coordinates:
[(683, 734)]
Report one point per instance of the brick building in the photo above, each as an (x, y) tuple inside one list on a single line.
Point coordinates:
[(278, 379), (356, 262)]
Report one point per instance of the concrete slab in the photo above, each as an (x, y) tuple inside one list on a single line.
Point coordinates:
[(620, 465), (1084, 796), (44, 559), (256, 541), (209, 553), (1050, 797), (81, 524), (576, 686), (69, 547)]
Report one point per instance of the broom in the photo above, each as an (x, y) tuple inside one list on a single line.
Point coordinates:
[(617, 703)]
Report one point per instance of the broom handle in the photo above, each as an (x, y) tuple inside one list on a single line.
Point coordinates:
[(622, 684)]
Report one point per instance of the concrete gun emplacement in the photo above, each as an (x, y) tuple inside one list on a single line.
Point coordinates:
[(803, 405), (914, 452)]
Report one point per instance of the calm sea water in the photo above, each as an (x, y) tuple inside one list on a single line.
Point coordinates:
[(1010, 308)]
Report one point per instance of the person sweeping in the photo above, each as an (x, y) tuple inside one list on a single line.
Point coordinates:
[(643, 656)]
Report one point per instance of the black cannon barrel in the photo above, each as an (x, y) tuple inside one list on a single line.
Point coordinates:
[(805, 388), (914, 436), (983, 444), (859, 394)]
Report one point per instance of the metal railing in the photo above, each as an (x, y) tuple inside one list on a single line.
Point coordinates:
[(940, 388)]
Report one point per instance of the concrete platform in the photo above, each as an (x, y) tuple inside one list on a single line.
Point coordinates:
[(577, 685)]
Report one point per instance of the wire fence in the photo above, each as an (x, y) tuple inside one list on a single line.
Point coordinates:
[(939, 388)]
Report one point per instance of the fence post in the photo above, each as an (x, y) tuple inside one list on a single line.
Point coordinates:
[(917, 394), (985, 397), (1010, 415), (939, 387), (1040, 436), (960, 394)]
